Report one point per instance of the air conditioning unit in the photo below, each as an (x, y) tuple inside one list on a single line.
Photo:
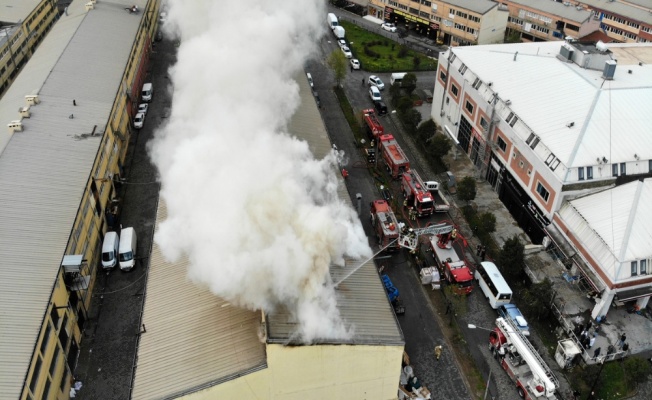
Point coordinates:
[(24, 112), (90, 5), (508, 102), (15, 126), (32, 99)]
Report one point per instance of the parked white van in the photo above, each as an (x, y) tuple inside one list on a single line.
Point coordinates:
[(110, 250), (128, 245), (147, 93), (397, 77), (332, 20)]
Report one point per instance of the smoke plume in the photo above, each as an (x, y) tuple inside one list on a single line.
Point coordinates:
[(256, 214)]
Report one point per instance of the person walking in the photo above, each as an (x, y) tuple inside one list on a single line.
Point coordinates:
[(438, 350), (592, 340), (596, 353), (621, 342)]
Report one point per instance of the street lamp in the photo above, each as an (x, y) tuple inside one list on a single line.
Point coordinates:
[(471, 326)]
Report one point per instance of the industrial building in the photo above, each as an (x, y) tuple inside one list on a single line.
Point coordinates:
[(195, 345), (67, 125), (626, 21)]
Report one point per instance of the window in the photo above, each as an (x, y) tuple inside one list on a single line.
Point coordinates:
[(534, 143), (634, 268), (614, 169), (434, 7), (580, 173), (55, 360), (643, 267), (484, 124), (477, 83), (451, 58), (649, 165), (509, 117), (46, 337), (37, 369), (530, 138), (501, 144), (442, 75), (469, 107), (462, 69), (555, 164), (623, 170), (426, 3), (589, 172), (455, 90), (542, 191), (550, 159)]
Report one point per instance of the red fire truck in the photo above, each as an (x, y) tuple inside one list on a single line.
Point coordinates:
[(373, 126), (385, 224), (394, 157), (454, 269), (416, 194)]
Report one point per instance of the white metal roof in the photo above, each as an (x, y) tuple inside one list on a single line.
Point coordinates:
[(633, 12), (16, 11), (613, 225), (194, 338), (45, 168), (477, 6), (559, 9), (611, 118)]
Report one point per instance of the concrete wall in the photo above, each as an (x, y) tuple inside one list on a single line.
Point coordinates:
[(492, 26)]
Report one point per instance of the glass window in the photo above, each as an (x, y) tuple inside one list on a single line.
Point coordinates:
[(542, 191), (46, 337), (614, 169), (634, 268), (623, 169), (580, 173), (454, 90), (643, 267), (589, 172), (469, 107), (37, 369), (502, 144)]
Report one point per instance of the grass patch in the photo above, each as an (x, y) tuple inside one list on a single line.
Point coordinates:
[(379, 54), (349, 114)]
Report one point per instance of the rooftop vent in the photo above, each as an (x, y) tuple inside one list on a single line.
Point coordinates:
[(15, 126), (90, 5), (24, 112), (32, 99), (609, 70), (601, 46)]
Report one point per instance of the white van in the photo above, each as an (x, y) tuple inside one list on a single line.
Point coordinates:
[(332, 21), (110, 250), (128, 245), (147, 93), (397, 77), (310, 81)]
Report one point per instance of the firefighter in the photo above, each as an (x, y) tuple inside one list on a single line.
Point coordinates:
[(438, 350), (404, 203)]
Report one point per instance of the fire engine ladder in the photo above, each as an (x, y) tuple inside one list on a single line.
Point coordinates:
[(533, 351), (410, 240)]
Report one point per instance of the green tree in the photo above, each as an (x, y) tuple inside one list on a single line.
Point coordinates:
[(512, 257), (513, 37), (439, 146), (486, 223), (409, 83), (395, 93), (636, 370), (403, 105), (466, 189), (426, 130), (337, 62), (411, 119)]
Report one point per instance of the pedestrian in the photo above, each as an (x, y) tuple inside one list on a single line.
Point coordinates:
[(589, 325), (585, 342), (362, 81), (438, 350), (621, 342), (596, 353), (351, 68), (483, 253), (448, 307), (625, 347), (478, 249), (592, 340)]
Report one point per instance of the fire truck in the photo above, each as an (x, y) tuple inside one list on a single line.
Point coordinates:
[(385, 225), (394, 157), (532, 376), (416, 194), (373, 126), (451, 267)]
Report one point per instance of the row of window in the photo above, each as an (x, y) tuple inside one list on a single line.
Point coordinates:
[(453, 12), (532, 15), (639, 267)]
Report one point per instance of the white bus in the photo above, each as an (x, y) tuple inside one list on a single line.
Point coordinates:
[(493, 284)]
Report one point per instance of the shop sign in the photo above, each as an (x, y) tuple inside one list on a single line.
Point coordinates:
[(434, 26), (537, 215)]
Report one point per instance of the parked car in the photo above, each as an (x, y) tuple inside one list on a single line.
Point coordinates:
[(375, 81), (310, 81), (355, 63), (341, 43), (347, 52), (381, 107), (388, 26), (513, 313), (143, 107), (374, 93), (139, 120)]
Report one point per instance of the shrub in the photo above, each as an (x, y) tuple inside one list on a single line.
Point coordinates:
[(466, 189), (403, 52)]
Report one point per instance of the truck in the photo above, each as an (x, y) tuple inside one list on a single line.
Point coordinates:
[(525, 367), (393, 295), (416, 195), (339, 32), (395, 159), (452, 268), (372, 125), (441, 204), (385, 225)]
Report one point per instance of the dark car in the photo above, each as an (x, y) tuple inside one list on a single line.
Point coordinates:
[(381, 107)]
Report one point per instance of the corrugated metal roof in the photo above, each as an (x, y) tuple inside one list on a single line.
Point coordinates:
[(558, 9), (194, 338), (478, 6), (16, 11), (362, 301), (44, 169), (614, 225), (623, 9), (610, 118)]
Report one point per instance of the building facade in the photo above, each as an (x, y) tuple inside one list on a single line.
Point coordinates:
[(626, 21), (453, 23), (536, 21), (23, 25), (59, 178)]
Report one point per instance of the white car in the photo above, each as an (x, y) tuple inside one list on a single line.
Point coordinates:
[(388, 26), (143, 107), (374, 94), (355, 64), (139, 120), (347, 52), (375, 81), (341, 43)]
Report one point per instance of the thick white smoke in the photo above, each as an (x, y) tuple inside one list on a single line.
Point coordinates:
[(256, 214)]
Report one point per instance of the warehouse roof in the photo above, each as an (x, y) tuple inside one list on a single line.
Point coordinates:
[(633, 12), (559, 9), (613, 225), (16, 11), (44, 169), (610, 118)]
